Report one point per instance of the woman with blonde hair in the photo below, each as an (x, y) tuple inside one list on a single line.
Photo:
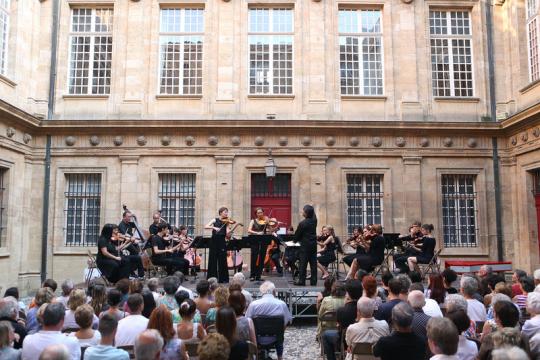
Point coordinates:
[(327, 253), (43, 296), (76, 299), (221, 298), (86, 336), (7, 336)]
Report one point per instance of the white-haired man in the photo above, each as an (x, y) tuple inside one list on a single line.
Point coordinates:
[(419, 325), (475, 309), (148, 345), (9, 311), (269, 305), (240, 279), (532, 326)]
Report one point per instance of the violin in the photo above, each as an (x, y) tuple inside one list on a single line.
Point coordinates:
[(228, 221)]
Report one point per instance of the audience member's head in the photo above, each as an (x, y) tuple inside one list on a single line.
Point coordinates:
[(180, 276), (402, 317), (386, 276), (369, 284), (53, 316), (485, 270), (354, 289), (239, 278), (148, 345), (509, 353), (136, 286), (67, 286), (135, 304), (415, 277), (161, 319), (494, 279), (152, 284), (442, 336), (6, 334), (181, 296), (226, 323), (9, 308), (405, 284), (203, 287), (12, 291), (149, 303), (237, 301), (114, 297), (187, 309), (55, 352), (360, 274), (533, 303), (506, 337), (44, 295), (503, 288), (214, 284), (517, 275), (506, 314), (527, 284), (107, 325), (221, 296), (267, 287), (84, 316), (460, 319), (416, 299), (170, 285), (328, 283), (417, 287), (76, 299), (436, 287), (455, 302), (51, 284), (394, 286), (122, 285), (495, 298), (469, 286), (365, 307), (536, 276), (449, 276), (338, 290), (214, 347)]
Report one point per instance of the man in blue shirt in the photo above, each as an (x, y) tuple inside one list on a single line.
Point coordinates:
[(106, 350)]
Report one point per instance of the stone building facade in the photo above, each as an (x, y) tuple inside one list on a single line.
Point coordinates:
[(374, 111)]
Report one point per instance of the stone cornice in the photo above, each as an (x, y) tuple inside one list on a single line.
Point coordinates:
[(13, 115), (523, 120)]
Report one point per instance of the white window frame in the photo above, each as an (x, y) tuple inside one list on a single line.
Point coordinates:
[(271, 34), (5, 6), (531, 13), (92, 34), (449, 37), (361, 36), (182, 35)]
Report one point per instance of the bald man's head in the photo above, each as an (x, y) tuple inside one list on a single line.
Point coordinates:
[(148, 345), (55, 352)]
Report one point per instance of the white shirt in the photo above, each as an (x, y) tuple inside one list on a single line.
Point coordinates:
[(534, 343), (34, 344), (268, 305), (191, 295), (248, 297), (467, 349), (432, 308), (476, 310), (156, 296), (70, 323), (129, 328), (444, 357), (63, 300), (93, 341)]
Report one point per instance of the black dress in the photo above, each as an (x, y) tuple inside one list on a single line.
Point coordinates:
[(374, 257), (428, 250), (134, 257), (328, 255), (112, 269), (306, 235), (258, 252), (217, 256)]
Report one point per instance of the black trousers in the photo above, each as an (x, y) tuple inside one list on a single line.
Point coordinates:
[(217, 259), (114, 270), (308, 254), (136, 264), (182, 262), (258, 251), (171, 263), (276, 257)]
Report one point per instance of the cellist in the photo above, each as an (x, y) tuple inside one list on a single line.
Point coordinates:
[(257, 226)]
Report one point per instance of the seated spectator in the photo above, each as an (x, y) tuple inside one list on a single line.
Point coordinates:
[(148, 345), (7, 336), (442, 339), (180, 298), (517, 275), (99, 298), (187, 329), (359, 274), (449, 276), (9, 311), (431, 308), (327, 290), (402, 344), (245, 330), (435, 289), (114, 298), (51, 284), (213, 281), (173, 348), (416, 277), (53, 321), (526, 284), (181, 278), (106, 350), (55, 352), (152, 285), (536, 276), (510, 353), (14, 292), (490, 324), (214, 347), (76, 299), (475, 309), (420, 319), (506, 317), (532, 326), (384, 312), (133, 324), (170, 284), (483, 273), (221, 298), (43, 296), (386, 276), (492, 281), (240, 279), (405, 285), (84, 316), (467, 349), (269, 305), (369, 284), (331, 304), (202, 302), (455, 302), (346, 315), (67, 286), (367, 329), (149, 303), (123, 285), (226, 326)]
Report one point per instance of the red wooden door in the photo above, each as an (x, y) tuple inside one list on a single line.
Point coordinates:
[(273, 195), (537, 201)]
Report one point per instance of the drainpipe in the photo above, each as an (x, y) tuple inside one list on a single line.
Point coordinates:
[(493, 110), (50, 112)]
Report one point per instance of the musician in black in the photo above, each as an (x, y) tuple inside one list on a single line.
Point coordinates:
[(306, 235), (108, 261), (374, 256), (353, 242), (426, 249), (153, 229), (162, 255), (132, 251), (411, 244), (257, 226), (217, 256)]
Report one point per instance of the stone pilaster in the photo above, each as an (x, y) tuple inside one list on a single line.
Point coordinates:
[(317, 169), (224, 181), (412, 188), (129, 181)]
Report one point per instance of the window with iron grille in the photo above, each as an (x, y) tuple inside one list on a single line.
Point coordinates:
[(90, 47), (277, 187), (364, 200), (181, 51), (4, 34), (459, 210), (3, 217), (360, 52), (176, 198), (533, 39), (82, 209), (451, 53), (270, 38)]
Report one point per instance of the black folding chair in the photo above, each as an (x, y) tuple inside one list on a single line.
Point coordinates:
[(269, 331)]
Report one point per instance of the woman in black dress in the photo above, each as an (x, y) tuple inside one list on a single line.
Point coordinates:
[(217, 256), (108, 261), (161, 255), (306, 235), (327, 253), (426, 251)]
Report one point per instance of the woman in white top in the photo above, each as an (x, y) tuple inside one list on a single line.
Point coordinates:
[(187, 329), (467, 349), (84, 316), (76, 299)]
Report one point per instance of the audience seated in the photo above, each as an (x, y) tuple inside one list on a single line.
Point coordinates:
[(214, 347), (123, 286), (456, 302), (221, 298), (76, 299), (9, 311), (133, 324), (526, 285), (431, 308), (187, 328), (148, 345), (226, 326), (240, 279), (449, 276), (369, 285), (420, 319), (173, 348), (180, 298), (443, 339), (55, 352), (330, 304), (467, 349), (152, 285), (114, 298), (202, 301), (53, 321), (402, 344), (7, 335), (327, 290), (475, 308), (86, 336), (384, 312), (170, 285), (517, 275), (99, 298), (435, 289), (67, 286), (245, 330), (181, 278), (106, 350), (149, 303), (43, 296)]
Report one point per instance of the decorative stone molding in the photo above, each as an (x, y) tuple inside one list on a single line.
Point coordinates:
[(448, 142), (118, 140), (94, 140), (330, 141), (376, 141), (166, 140), (259, 141), (536, 132), (400, 142), (235, 141), (10, 132), (472, 143), (212, 140), (306, 141), (406, 1), (524, 137), (27, 138), (70, 140), (424, 142), (190, 140), (141, 140), (283, 141), (513, 141), (354, 141)]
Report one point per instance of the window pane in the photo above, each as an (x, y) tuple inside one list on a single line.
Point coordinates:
[(459, 211), (364, 200), (177, 198)]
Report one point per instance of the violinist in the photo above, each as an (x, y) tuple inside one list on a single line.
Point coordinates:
[(257, 226), (353, 243), (424, 250), (217, 257), (108, 260), (126, 227), (191, 253), (412, 244), (373, 241), (162, 255), (156, 219), (327, 254)]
